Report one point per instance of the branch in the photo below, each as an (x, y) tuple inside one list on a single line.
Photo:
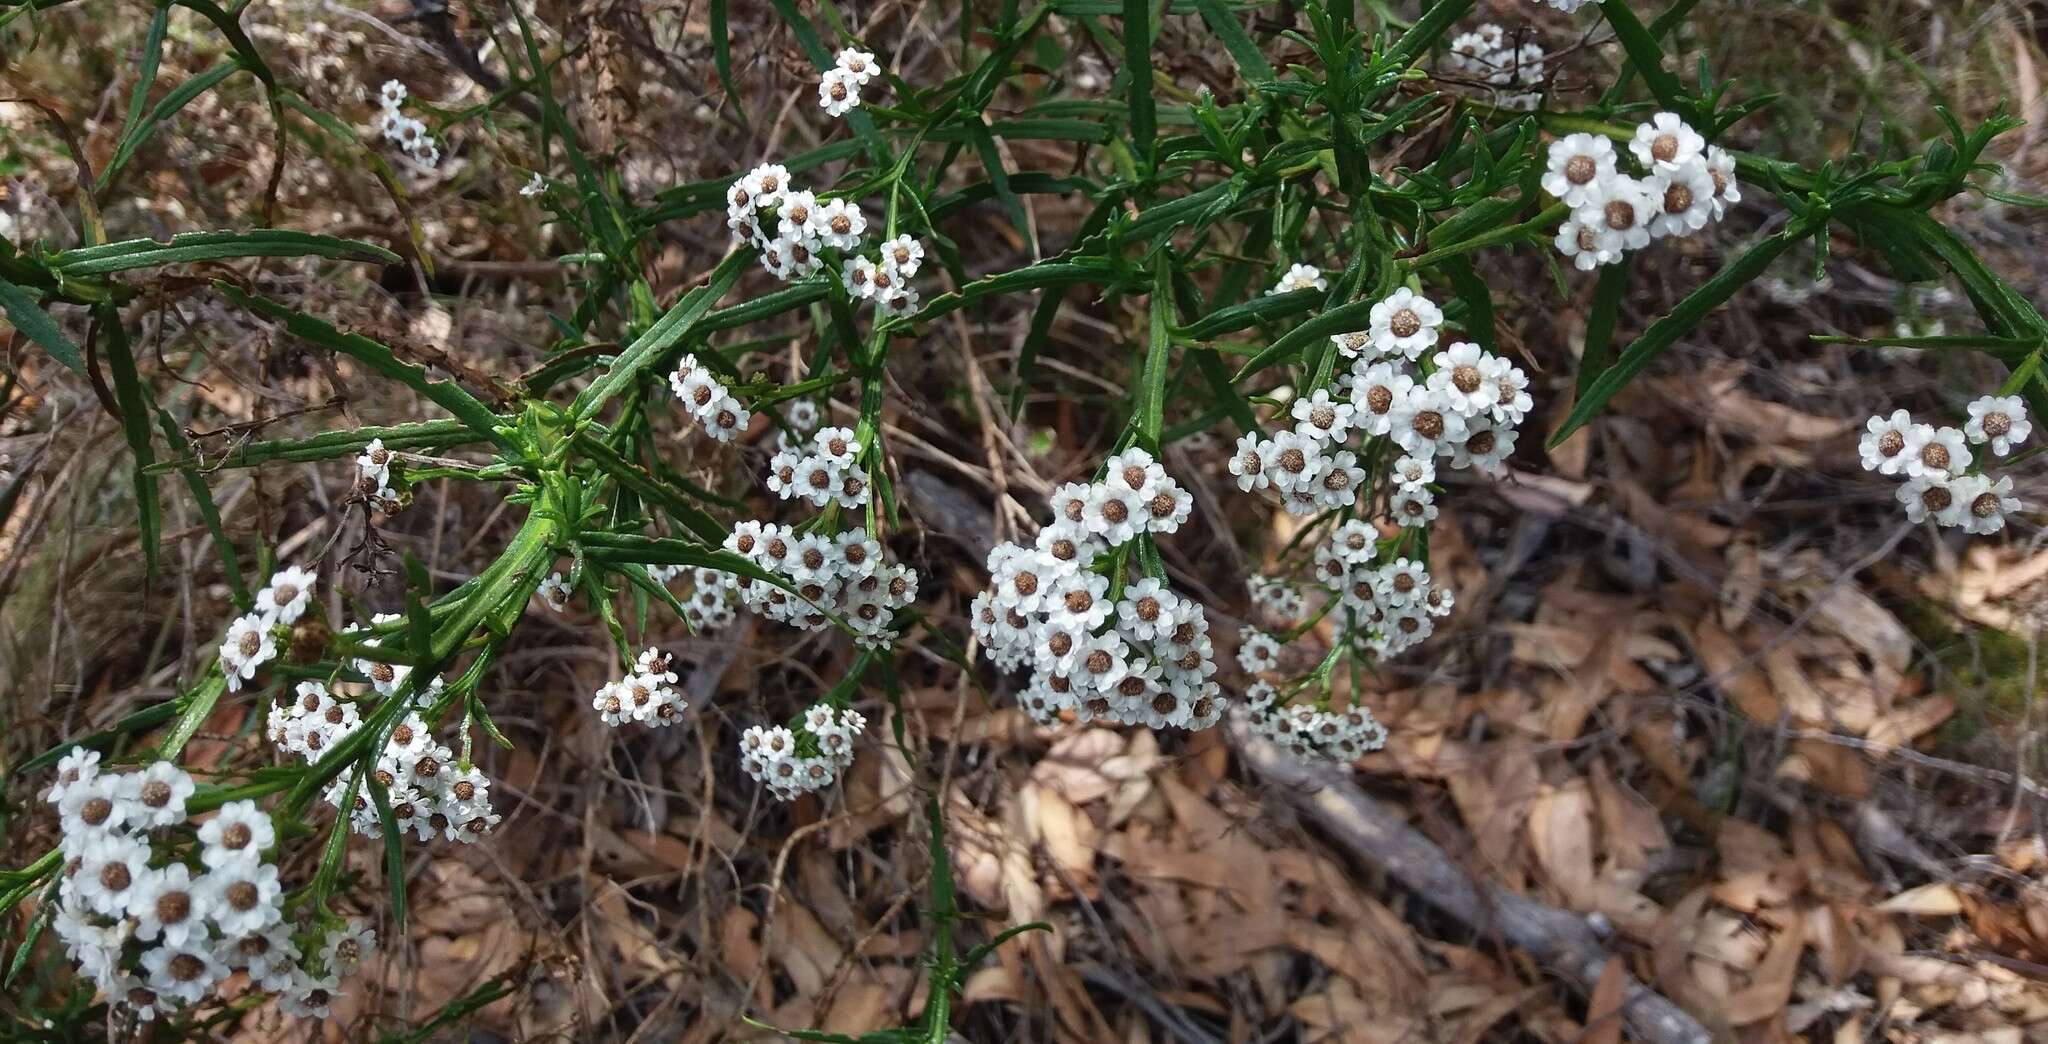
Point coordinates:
[(1559, 940)]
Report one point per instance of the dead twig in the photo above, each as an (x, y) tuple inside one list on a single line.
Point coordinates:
[(1559, 940)]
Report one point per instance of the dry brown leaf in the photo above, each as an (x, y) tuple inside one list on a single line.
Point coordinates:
[(1930, 900), (1561, 836), (1603, 1008)]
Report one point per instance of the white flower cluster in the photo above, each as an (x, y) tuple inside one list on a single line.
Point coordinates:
[(402, 130), (1687, 184), (1310, 733), (1567, 6), (824, 472), (1299, 277), (648, 695), (709, 607), (839, 88), (1275, 598), (1389, 606), (1140, 654), (707, 401), (373, 476), (150, 932), (430, 792), (1487, 55), (1465, 408), (252, 638), (807, 758), (847, 575), (805, 228), (1935, 463)]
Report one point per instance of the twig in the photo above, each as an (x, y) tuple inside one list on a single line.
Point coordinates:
[(1559, 940)]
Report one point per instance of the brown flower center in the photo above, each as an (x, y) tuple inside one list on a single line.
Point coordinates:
[(186, 968), (1293, 460), (173, 907), (1429, 424), (1466, 378), (1134, 477), (1148, 608), (1163, 505), (1985, 506), (1379, 398), (1115, 510), (1677, 199), (1026, 583), (1935, 455), (114, 877), (1405, 323), (1480, 444), (251, 643), (1098, 662), (1323, 417), (1060, 643), (242, 896), (1664, 148), (1079, 600), (156, 793), (1620, 216), (95, 811), (1937, 498), (1581, 169), (1997, 424), (1165, 703)]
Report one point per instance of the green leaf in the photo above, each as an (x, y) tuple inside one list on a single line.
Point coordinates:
[(1648, 56), (29, 318), (1344, 318), (1666, 331), (209, 513), (213, 246), (1144, 117), (193, 710), (992, 161), (445, 394), (138, 131), (678, 322), (1600, 324), (721, 59), (1251, 62), (1151, 405), (135, 412), (1042, 318), (394, 849)]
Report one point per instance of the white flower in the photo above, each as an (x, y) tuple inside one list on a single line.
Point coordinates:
[(1021, 583), (725, 419), (857, 63), (1321, 417), (76, 768), (1459, 380), (1248, 462), (1113, 514), (238, 833), (838, 92), (1721, 171), (1983, 503), (375, 462), (1933, 453), (1583, 244), (1349, 345), (1378, 392), (308, 997), (1167, 507), (1294, 462), (1578, 164), (284, 599), (1080, 601), (269, 956), (1340, 480), (1930, 497), (241, 897), (1300, 277), (1133, 471), (2000, 421), (839, 224), (348, 947), (247, 647), (1618, 215), (158, 794), (794, 214), (858, 276), (1665, 143), (1101, 661), (391, 95), (1405, 324), (554, 592), (904, 254), (1684, 197), (1884, 443), (1147, 611), (1568, 6), (1069, 504), (186, 972), (534, 186), (95, 807), (1258, 652), (766, 183), (1486, 446), (1512, 402), (166, 905), (108, 870), (1426, 421), (1413, 506)]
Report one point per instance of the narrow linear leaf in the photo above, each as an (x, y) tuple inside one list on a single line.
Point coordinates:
[(1666, 331), (1600, 324), (214, 246), (29, 317), (136, 406)]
